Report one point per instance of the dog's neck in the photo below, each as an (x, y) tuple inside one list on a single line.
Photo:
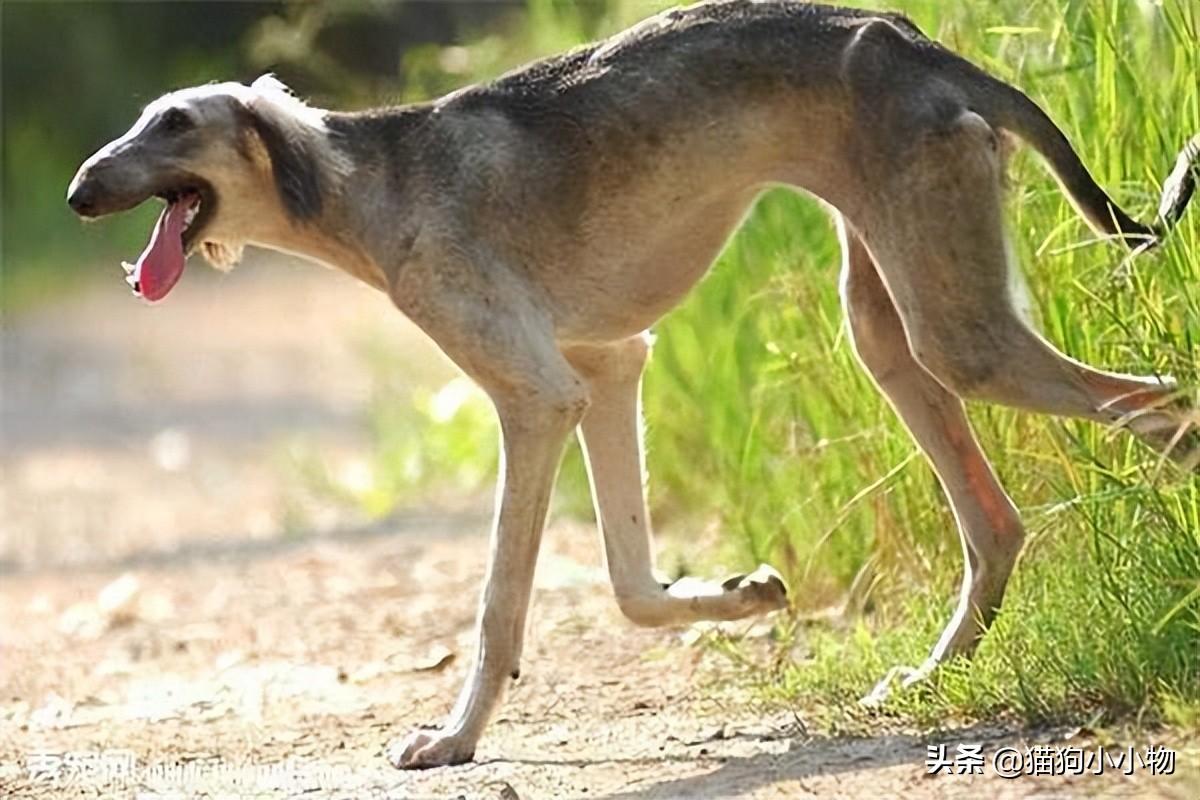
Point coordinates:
[(329, 217), (322, 241)]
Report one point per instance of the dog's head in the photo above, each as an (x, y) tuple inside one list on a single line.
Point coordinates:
[(229, 160)]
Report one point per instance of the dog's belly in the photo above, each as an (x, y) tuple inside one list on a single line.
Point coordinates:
[(622, 287), (652, 225)]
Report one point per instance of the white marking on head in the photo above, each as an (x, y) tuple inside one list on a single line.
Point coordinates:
[(267, 95), (273, 91)]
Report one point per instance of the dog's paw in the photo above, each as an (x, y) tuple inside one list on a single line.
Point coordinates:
[(904, 676), (762, 589), (1171, 426), (430, 747)]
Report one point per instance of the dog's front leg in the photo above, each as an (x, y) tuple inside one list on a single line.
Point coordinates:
[(612, 436), (533, 438), (508, 348)]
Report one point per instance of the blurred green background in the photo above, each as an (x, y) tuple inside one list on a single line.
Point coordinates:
[(762, 429)]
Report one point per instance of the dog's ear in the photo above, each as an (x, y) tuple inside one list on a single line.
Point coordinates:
[(267, 82), (294, 162)]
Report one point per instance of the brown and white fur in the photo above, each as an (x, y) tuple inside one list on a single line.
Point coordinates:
[(535, 228)]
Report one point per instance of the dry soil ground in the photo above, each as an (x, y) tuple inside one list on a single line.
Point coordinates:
[(170, 593)]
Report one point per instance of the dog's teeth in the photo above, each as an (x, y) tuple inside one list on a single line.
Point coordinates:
[(129, 268), (131, 280)]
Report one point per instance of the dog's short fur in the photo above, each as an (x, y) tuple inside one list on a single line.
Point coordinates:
[(535, 227)]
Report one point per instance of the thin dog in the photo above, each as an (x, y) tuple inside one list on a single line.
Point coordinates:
[(537, 226)]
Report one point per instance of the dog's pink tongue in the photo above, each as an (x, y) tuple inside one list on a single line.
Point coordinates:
[(160, 265)]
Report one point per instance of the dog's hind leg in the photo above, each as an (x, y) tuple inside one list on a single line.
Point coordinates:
[(988, 524), (935, 231), (611, 432)]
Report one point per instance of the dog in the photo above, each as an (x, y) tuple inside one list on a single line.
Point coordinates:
[(537, 226)]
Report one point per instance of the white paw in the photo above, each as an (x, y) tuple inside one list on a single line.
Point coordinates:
[(430, 747), (907, 676), (763, 589)]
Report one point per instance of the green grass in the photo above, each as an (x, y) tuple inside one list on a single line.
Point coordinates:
[(759, 417)]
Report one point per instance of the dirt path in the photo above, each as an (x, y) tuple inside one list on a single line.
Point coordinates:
[(170, 594)]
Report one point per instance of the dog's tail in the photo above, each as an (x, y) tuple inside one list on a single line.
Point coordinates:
[(1010, 109)]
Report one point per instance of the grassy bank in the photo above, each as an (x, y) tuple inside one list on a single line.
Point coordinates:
[(760, 418)]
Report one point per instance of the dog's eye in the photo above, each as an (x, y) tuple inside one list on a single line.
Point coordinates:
[(176, 120)]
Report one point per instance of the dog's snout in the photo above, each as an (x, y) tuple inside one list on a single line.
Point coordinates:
[(111, 180), (93, 190), (81, 197)]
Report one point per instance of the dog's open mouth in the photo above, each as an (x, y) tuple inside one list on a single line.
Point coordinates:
[(160, 265)]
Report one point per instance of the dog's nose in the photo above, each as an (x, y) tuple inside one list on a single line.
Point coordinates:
[(81, 197)]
